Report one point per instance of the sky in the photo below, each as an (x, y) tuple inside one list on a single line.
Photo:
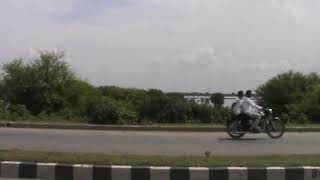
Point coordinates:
[(172, 45)]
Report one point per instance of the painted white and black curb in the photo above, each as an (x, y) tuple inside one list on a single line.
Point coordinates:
[(52, 171)]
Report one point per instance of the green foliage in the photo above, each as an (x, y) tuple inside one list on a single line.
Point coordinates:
[(310, 105), (46, 88), (134, 97), (297, 115), (286, 89), (217, 99), (79, 94), (175, 111), (155, 106), (37, 85), (294, 95), (19, 110), (127, 117), (14, 112), (202, 113), (285, 118), (103, 111), (222, 115)]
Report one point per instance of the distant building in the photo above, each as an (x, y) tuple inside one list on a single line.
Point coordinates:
[(204, 98), (199, 99)]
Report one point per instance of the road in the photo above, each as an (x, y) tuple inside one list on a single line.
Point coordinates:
[(156, 143)]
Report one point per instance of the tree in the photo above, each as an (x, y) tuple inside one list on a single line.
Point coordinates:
[(217, 99), (153, 104), (286, 89), (38, 85), (311, 104), (79, 94)]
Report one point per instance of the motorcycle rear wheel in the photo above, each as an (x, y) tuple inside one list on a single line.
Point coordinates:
[(232, 128)]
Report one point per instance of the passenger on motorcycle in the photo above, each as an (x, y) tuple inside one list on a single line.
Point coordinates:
[(237, 106)]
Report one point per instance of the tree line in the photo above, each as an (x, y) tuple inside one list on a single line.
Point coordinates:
[(46, 88)]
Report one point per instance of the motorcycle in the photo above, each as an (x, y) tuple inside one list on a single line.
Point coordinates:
[(239, 125)]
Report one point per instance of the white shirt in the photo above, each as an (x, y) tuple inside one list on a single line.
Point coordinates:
[(237, 108), (249, 106)]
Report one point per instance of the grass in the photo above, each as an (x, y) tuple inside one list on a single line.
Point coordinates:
[(222, 125), (50, 120), (84, 121), (304, 125), (180, 161)]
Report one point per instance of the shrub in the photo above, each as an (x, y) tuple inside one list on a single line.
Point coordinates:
[(297, 115), (4, 114), (176, 111), (285, 118), (221, 115), (127, 117), (103, 111), (302, 119)]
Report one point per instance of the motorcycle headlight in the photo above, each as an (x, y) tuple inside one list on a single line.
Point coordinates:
[(270, 110)]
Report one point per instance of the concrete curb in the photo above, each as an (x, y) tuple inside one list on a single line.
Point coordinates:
[(52, 171), (134, 127)]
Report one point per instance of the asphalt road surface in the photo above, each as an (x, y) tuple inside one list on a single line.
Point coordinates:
[(156, 143)]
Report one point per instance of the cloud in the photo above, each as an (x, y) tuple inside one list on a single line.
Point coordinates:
[(181, 45), (201, 56)]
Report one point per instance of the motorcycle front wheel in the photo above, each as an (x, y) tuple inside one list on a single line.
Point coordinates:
[(275, 128), (233, 130)]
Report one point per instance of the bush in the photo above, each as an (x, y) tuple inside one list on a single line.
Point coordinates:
[(202, 113), (79, 94), (103, 111), (302, 119), (145, 121), (127, 117), (221, 115), (18, 112), (285, 118), (67, 113), (4, 114), (311, 104), (175, 111), (296, 115)]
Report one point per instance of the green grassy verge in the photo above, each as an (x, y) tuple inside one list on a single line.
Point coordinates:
[(192, 125), (187, 125), (181, 161), (49, 121)]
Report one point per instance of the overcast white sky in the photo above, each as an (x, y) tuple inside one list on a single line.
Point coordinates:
[(173, 45)]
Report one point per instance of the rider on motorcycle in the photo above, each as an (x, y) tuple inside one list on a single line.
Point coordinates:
[(250, 108), (244, 111)]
